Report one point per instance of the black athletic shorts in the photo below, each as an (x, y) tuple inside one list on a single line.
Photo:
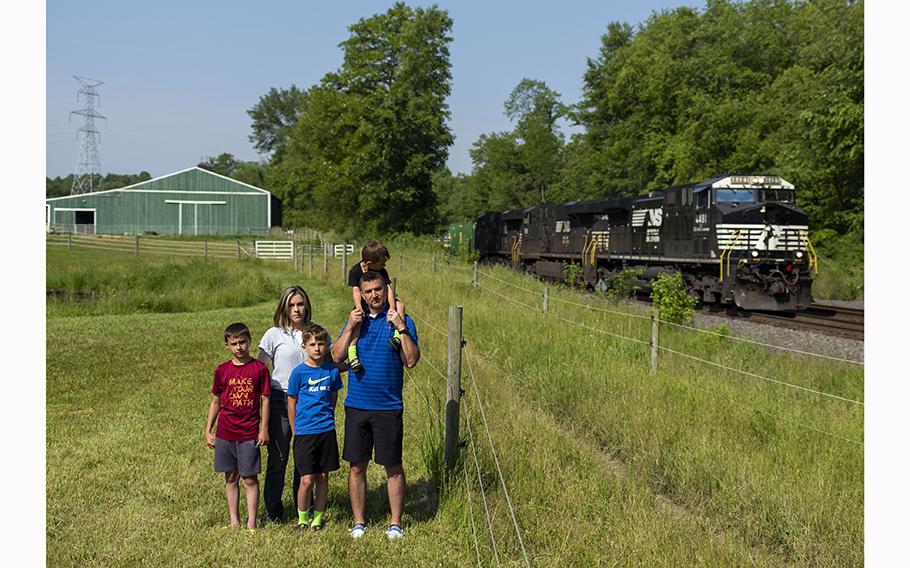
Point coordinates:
[(364, 429), (316, 453)]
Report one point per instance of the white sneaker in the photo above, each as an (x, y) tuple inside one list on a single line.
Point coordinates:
[(358, 530), (394, 532)]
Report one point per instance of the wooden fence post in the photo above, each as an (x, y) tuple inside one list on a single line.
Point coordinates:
[(311, 261), (655, 326), (474, 276), (205, 248), (137, 245), (434, 263), (325, 258), (344, 262), (238, 249), (69, 240), (400, 259), (546, 299), (453, 386)]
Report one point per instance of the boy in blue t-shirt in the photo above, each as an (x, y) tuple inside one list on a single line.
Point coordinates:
[(312, 394)]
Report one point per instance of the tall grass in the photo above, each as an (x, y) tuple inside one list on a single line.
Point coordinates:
[(767, 462), (604, 463), (118, 283)]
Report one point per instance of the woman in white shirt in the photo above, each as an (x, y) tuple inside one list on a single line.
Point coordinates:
[(281, 346)]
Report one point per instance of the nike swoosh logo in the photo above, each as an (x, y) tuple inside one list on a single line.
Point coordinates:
[(316, 382)]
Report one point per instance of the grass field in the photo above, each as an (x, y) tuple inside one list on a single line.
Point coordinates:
[(605, 464)]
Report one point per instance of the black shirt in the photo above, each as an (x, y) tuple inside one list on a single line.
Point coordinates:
[(356, 272)]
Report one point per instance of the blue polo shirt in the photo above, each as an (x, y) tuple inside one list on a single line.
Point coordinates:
[(378, 385), (313, 388)]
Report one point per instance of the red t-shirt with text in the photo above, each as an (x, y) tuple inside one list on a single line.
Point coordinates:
[(239, 388)]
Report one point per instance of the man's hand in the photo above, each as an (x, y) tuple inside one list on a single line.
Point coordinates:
[(355, 317), (263, 438), (210, 439), (395, 319)]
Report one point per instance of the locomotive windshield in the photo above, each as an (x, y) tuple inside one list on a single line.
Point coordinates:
[(734, 195), (781, 195)]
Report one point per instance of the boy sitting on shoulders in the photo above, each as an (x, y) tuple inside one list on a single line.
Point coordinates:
[(373, 257)]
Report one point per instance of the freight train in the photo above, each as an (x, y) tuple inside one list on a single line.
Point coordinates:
[(736, 239)]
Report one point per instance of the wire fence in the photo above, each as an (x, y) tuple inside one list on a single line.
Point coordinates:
[(499, 293), (588, 306)]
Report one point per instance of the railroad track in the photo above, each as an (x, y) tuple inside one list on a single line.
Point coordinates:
[(819, 318)]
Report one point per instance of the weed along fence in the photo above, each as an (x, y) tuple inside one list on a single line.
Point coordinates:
[(818, 409), (456, 345), (650, 330)]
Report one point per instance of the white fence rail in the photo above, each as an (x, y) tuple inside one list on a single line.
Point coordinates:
[(275, 250)]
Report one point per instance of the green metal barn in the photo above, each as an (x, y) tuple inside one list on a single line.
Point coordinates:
[(194, 201)]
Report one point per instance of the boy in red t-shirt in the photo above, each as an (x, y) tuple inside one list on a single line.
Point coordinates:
[(240, 401)]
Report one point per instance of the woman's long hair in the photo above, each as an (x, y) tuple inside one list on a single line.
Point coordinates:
[(281, 313)]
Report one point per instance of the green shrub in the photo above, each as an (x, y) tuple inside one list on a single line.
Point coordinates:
[(570, 272), (670, 296), (622, 285)]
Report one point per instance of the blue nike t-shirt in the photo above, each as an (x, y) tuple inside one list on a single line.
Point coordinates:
[(313, 388)]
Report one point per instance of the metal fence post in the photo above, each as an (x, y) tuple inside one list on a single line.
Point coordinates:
[(205, 247), (137, 245), (311, 261), (453, 386), (238, 249), (655, 326), (474, 276), (546, 299), (325, 258), (344, 262)]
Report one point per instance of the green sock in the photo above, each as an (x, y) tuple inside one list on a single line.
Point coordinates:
[(352, 352), (302, 517), (317, 518), (398, 335)]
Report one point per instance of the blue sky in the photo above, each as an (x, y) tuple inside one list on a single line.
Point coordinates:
[(180, 76)]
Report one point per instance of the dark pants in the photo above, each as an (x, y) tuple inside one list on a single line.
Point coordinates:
[(279, 451)]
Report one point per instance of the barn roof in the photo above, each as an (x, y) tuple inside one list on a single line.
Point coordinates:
[(190, 180)]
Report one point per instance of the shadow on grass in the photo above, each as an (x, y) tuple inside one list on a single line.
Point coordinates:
[(421, 504)]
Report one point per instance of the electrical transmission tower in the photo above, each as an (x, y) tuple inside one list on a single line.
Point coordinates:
[(88, 166)]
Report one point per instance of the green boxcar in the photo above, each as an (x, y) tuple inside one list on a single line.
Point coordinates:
[(460, 238), (189, 202)]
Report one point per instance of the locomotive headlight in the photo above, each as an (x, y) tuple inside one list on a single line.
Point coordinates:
[(799, 254), (755, 254)]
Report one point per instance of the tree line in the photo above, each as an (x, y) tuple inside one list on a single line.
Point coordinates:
[(770, 86), (760, 86)]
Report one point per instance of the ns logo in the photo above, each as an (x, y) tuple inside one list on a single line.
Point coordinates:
[(771, 238), (655, 217)]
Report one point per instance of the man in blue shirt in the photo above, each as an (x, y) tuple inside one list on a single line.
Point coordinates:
[(373, 405)]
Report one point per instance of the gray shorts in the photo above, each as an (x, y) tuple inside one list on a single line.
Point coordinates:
[(242, 457)]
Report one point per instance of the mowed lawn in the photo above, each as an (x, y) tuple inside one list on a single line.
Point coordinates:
[(130, 480)]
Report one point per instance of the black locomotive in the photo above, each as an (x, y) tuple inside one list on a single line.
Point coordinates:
[(736, 239)]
